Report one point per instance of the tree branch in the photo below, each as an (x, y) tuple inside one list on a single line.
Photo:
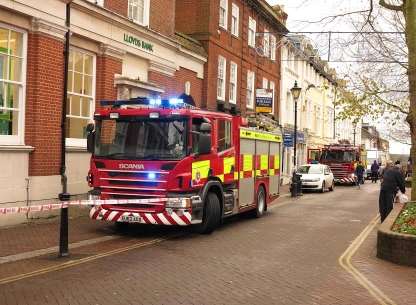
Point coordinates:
[(390, 6)]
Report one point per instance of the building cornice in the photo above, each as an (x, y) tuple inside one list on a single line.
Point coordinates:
[(39, 25), (158, 67), (108, 50)]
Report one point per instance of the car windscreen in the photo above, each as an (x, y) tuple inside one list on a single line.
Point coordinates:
[(338, 155), (307, 169), (141, 139)]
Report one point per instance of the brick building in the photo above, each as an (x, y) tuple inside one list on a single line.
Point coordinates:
[(119, 48), (242, 39)]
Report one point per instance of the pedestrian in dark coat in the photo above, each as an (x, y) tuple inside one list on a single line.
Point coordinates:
[(392, 180), (359, 172), (374, 171)]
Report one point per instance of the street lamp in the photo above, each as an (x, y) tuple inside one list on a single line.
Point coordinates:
[(354, 126), (295, 183), (295, 94)]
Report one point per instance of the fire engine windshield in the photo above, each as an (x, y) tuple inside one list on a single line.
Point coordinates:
[(146, 139), (338, 156)]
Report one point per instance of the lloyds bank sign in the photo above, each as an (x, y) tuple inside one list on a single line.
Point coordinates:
[(138, 43)]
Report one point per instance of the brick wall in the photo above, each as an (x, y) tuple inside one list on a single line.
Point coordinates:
[(43, 103), (162, 16), (218, 41), (117, 6), (175, 86), (107, 67)]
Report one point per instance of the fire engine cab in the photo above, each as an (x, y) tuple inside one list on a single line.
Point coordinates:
[(179, 164)]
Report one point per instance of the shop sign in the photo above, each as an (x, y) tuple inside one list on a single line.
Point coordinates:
[(138, 43), (264, 101), (288, 138)]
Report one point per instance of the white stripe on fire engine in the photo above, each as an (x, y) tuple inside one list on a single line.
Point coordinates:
[(163, 219), (151, 219), (177, 219)]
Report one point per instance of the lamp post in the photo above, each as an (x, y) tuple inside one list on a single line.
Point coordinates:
[(295, 93), (64, 196), (354, 126)]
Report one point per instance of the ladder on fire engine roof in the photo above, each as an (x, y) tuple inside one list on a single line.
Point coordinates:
[(144, 102)]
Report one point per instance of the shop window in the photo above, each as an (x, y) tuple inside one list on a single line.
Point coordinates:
[(235, 19), (222, 65), (223, 135), (139, 11), (223, 14), (233, 83), (12, 85), (81, 96)]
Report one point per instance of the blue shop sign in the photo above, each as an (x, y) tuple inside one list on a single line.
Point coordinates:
[(288, 138)]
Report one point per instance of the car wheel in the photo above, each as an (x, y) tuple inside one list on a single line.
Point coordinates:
[(332, 186), (323, 187), (212, 215)]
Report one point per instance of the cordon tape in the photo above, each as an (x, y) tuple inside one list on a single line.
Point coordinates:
[(66, 204)]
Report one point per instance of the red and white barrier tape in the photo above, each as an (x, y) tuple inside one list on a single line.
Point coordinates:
[(65, 204)]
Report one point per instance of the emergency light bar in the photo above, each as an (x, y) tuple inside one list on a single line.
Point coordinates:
[(144, 101)]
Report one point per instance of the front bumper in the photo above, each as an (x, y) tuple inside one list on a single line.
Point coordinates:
[(346, 180), (172, 215)]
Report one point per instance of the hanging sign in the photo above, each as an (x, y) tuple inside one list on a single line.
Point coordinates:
[(264, 101)]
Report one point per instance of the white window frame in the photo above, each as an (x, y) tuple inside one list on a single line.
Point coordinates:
[(74, 142), (19, 138), (266, 43), (222, 64), (146, 11), (252, 28), (233, 83), (265, 83), (251, 77), (272, 86), (235, 19), (97, 2), (273, 47), (223, 6)]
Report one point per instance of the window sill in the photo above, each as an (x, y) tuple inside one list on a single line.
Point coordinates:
[(76, 149), (16, 148)]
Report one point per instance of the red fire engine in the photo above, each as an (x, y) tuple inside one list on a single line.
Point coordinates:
[(342, 159), (184, 165)]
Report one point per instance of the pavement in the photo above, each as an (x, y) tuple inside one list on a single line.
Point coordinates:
[(293, 255)]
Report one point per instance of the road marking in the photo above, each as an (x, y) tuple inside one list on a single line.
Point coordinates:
[(35, 253), (345, 262), (72, 263)]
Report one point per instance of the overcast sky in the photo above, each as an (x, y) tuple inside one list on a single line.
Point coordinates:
[(314, 10)]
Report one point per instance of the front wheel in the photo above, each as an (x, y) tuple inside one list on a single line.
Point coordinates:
[(212, 215), (332, 186), (323, 187)]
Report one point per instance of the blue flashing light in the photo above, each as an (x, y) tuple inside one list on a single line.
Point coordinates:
[(155, 102), (175, 101), (151, 176)]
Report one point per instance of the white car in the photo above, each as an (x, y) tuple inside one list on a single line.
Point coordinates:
[(316, 177)]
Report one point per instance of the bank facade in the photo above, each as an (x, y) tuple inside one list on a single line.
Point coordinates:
[(118, 49)]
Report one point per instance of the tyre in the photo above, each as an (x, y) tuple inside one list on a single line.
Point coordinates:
[(332, 186), (212, 215), (260, 203), (121, 226), (323, 187)]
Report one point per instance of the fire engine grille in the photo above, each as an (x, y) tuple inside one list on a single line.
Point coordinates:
[(126, 184)]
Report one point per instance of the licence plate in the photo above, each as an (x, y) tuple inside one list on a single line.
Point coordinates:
[(130, 218)]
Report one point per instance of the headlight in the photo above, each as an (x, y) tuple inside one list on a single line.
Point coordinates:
[(352, 175), (315, 180), (179, 203), (93, 197)]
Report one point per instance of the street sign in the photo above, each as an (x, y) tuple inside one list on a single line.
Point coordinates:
[(264, 100)]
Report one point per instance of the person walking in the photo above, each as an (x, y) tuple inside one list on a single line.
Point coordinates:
[(392, 180), (374, 171), (359, 172)]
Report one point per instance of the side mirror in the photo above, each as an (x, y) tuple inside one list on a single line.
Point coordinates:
[(90, 138), (204, 144)]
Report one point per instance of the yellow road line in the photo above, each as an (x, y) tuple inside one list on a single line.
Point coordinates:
[(345, 262), (79, 261)]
